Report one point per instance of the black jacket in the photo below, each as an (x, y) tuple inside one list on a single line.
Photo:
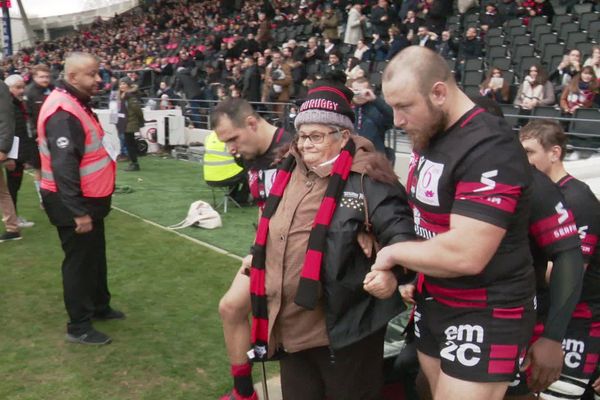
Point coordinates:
[(7, 119), (351, 313), (27, 145), (34, 98), (251, 84), (68, 202)]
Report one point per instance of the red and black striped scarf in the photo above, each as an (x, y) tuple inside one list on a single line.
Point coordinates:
[(308, 288)]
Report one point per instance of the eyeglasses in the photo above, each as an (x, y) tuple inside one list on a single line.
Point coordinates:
[(315, 137)]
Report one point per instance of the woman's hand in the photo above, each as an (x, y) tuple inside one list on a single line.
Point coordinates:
[(385, 259), (380, 284), (408, 293)]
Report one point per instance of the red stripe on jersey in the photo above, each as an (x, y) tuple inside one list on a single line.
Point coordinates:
[(564, 180), (583, 311), (477, 295), (500, 196), (470, 117), (551, 222), (595, 329), (501, 367), (591, 360), (460, 304), (588, 244), (554, 235), (505, 351), (508, 313)]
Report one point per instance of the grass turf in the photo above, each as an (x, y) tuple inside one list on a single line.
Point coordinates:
[(170, 346)]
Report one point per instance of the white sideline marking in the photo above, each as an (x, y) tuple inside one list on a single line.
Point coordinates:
[(191, 239)]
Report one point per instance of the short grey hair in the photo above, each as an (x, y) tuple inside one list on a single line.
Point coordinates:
[(13, 79)]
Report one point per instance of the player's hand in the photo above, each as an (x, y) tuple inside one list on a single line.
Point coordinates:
[(545, 357), (3, 156), (84, 224), (380, 284), (596, 385), (384, 260), (408, 293), (368, 94)]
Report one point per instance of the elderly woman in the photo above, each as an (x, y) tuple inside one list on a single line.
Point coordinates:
[(315, 303)]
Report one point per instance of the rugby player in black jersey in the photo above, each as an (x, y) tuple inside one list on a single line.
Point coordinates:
[(545, 144), (469, 188)]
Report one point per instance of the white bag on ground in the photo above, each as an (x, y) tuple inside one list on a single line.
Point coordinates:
[(200, 214)]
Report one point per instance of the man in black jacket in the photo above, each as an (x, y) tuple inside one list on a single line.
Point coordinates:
[(7, 129), (76, 199), (251, 82)]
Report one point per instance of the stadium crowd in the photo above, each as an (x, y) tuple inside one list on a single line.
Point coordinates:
[(349, 67)]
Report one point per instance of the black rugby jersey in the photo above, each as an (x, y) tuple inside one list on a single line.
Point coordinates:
[(261, 171), (477, 168), (552, 229), (586, 209)]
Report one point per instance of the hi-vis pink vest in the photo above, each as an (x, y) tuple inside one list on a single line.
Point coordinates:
[(97, 169)]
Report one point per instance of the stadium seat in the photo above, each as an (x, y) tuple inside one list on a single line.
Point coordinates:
[(375, 80), (594, 29), (511, 114), (514, 22), (495, 41), (566, 28), (516, 31), (540, 30), (509, 76), (587, 128), (520, 40), (472, 78), (552, 64), (560, 10), (525, 63), (536, 21), (546, 112), (551, 50), (471, 20), (586, 49), (582, 8), (451, 62), (379, 66), (521, 51), (544, 40), (504, 63), (494, 32), (587, 18), (574, 39), (559, 20), (474, 64), (496, 52), (471, 90), (366, 66)]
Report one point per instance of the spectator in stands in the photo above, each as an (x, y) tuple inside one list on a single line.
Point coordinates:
[(436, 14), (535, 90), (580, 92), (534, 8), (334, 64), (164, 88), (27, 145), (412, 22), (306, 84), (508, 9), (566, 70), (447, 47), (251, 81), (328, 47), (353, 70), (263, 35), (363, 52), (382, 17), (398, 41), (329, 24), (354, 26), (425, 38), (296, 63), (314, 51), (594, 61), (278, 82), (495, 86), (470, 46), (491, 18), (379, 47), (372, 116)]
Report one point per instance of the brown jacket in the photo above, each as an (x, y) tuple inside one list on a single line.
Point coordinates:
[(292, 327), (285, 83)]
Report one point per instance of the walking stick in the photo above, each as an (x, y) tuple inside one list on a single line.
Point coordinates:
[(264, 381)]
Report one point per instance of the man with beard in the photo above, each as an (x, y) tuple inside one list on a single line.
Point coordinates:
[(469, 188)]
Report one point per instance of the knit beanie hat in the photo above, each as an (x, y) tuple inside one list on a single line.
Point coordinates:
[(328, 102)]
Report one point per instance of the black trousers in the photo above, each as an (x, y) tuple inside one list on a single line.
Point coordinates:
[(13, 181), (352, 373), (131, 146), (85, 285)]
